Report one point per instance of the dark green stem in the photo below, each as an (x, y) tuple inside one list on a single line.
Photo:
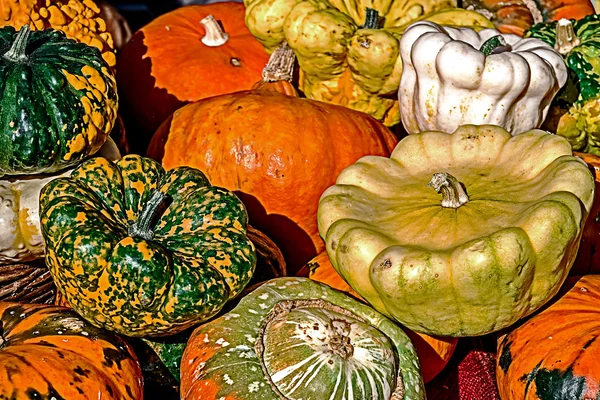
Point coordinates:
[(142, 228), (371, 19), (16, 53), (495, 44)]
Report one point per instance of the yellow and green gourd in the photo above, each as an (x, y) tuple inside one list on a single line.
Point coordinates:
[(58, 101), (294, 338), (348, 51), (576, 109), (141, 251), (492, 247)]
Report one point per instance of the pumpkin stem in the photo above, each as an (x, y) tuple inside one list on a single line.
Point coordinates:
[(453, 192), (494, 45), (16, 53), (280, 66), (371, 19), (142, 228), (214, 36), (566, 38)]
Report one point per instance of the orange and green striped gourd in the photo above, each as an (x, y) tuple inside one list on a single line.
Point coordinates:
[(58, 101), (50, 352)]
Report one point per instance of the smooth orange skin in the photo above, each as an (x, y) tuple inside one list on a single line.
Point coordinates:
[(588, 256), (278, 152), (434, 352), (165, 64), (39, 362), (561, 337)]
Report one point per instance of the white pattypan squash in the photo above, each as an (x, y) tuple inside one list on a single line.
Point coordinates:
[(457, 76)]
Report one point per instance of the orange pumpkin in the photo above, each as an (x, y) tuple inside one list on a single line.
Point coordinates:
[(588, 256), (49, 352), (185, 55), (278, 152), (554, 355), (434, 352), (517, 16)]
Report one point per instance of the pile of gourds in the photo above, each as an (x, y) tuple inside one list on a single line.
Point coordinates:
[(389, 152)]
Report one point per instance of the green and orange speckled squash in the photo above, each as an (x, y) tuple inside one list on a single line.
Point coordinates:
[(58, 101), (575, 111), (49, 352), (142, 251), (293, 338), (80, 20), (554, 355)]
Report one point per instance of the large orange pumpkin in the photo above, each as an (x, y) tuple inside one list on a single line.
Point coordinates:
[(517, 16), (588, 256), (554, 355), (185, 55), (278, 152), (434, 352)]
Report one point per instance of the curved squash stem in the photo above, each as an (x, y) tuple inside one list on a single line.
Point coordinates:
[(280, 66), (142, 228), (566, 38), (535, 12), (214, 36), (494, 45), (16, 53), (453, 192)]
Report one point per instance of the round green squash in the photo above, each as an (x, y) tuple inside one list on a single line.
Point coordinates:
[(141, 251), (492, 248), (575, 111), (293, 338), (58, 101)]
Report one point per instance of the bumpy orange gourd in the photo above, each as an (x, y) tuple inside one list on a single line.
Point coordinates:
[(78, 19), (167, 64), (278, 152), (554, 355), (434, 352)]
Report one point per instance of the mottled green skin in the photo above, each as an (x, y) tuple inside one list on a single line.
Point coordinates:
[(44, 124), (227, 357), (581, 94), (198, 259)]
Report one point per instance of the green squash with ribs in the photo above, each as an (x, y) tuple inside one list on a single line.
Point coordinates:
[(58, 101), (143, 251)]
